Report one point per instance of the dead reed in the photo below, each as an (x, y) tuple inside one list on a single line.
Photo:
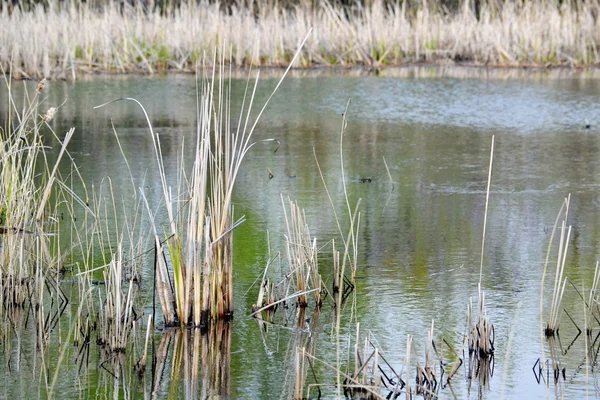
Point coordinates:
[(481, 337), (67, 39), (363, 382), (301, 276), (592, 310), (558, 288), (427, 383), (301, 251), (117, 316)]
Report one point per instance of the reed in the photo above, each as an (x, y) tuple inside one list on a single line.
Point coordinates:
[(482, 335), (360, 373), (117, 316), (409, 348), (67, 39), (426, 380), (342, 285), (558, 287), (193, 272), (301, 251), (31, 192), (591, 306), (268, 294), (301, 277)]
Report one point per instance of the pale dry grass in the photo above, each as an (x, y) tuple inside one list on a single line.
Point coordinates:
[(67, 39)]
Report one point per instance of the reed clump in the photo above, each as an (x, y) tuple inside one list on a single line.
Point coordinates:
[(481, 337), (31, 190), (481, 343), (67, 39), (193, 263), (364, 374), (117, 316), (301, 250), (426, 381), (301, 276)]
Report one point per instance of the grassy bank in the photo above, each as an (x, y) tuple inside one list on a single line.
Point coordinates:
[(63, 40)]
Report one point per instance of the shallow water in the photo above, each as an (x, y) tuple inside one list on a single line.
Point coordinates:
[(421, 232)]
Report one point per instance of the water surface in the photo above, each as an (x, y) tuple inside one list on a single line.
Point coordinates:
[(421, 231)]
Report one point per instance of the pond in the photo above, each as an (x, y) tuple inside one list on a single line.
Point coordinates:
[(416, 153)]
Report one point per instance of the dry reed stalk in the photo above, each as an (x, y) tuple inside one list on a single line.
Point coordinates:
[(337, 277), (458, 362), (552, 324), (117, 314), (592, 311), (300, 374), (487, 199), (426, 380), (141, 364), (481, 337), (350, 386), (301, 253), (266, 295), (409, 349)]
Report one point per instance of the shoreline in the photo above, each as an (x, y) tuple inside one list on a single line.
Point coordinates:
[(410, 70)]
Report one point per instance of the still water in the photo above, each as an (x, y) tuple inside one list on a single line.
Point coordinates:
[(421, 224)]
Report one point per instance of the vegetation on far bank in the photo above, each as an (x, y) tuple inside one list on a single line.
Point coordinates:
[(64, 39)]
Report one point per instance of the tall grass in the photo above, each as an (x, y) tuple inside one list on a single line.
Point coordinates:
[(65, 39)]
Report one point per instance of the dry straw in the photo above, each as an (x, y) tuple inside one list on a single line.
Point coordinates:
[(67, 38)]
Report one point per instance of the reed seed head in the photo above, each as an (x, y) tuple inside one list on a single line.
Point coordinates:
[(49, 114), (41, 86)]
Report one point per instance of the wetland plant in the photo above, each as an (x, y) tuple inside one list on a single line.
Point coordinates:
[(193, 268), (117, 315), (592, 310), (301, 251), (552, 322), (427, 383), (481, 337), (31, 194), (302, 276), (114, 37)]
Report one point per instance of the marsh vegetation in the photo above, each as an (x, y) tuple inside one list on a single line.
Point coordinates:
[(66, 39)]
